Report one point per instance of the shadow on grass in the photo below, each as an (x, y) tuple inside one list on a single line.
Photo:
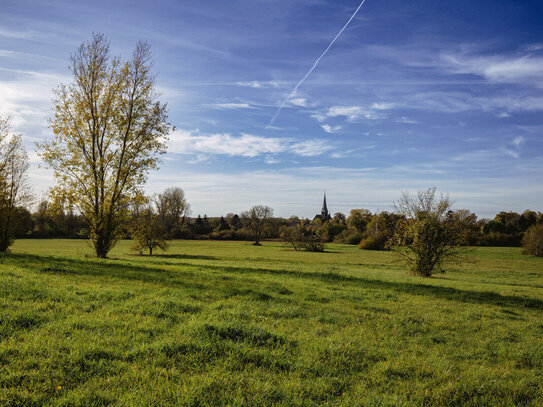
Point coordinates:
[(178, 277), (102, 268), (180, 256), (449, 293)]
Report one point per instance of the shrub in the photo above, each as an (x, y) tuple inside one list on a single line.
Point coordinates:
[(426, 239), (532, 242), (349, 236), (376, 242), (304, 238)]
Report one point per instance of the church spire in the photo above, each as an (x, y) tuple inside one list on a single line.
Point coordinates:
[(324, 212)]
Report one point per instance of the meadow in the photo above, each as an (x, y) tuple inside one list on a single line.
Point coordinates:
[(227, 323)]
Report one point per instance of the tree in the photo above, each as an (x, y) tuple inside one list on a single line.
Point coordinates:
[(148, 231), (358, 219), (426, 239), (257, 219), (13, 181), (532, 242), (173, 208), (109, 128)]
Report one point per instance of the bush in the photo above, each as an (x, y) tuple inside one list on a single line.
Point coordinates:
[(376, 242), (427, 239), (304, 238), (349, 236), (532, 242)]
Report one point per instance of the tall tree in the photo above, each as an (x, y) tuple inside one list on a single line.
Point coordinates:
[(13, 181), (257, 218), (109, 128)]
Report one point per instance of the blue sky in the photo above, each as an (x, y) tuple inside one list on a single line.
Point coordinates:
[(411, 95)]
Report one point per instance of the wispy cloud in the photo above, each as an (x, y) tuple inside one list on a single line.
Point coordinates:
[(331, 129), (351, 112), (232, 106), (497, 68), (259, 84), (245, 145), (311, 148), (302, 102), (517, 141), (383, 106)]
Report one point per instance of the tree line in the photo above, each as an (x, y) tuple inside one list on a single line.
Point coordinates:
[(369, 230)]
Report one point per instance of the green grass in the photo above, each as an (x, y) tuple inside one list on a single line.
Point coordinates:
[(227, 323)]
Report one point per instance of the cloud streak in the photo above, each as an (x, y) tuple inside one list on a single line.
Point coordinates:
[(295, 88), (245, 145)]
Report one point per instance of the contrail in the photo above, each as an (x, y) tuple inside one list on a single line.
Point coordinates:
[(295, 88)]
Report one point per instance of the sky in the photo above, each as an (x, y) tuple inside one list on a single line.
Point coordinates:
[(411, 95)]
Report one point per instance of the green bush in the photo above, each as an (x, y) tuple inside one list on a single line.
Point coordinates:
[(376, 242), (532, 242)]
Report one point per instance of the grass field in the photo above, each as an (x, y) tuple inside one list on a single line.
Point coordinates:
[(227, 323)]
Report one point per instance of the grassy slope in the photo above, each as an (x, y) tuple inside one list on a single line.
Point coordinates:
[(216, 323)]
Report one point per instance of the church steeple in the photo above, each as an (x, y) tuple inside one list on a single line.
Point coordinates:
[(324, 212)]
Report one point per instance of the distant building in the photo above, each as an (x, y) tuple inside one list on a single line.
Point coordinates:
[(324, 216)]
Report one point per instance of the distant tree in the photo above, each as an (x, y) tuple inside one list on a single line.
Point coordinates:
[(234, 221), (527, 219), (532, 242), (23, 224), (339, 218), (426, 240), (379, 231), (358, 219), (109, 128), (257, 219), (172, 208), (222, 225), (148, 231), (302, 237), (13, 182)]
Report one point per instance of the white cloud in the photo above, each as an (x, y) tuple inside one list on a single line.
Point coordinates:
[(28, 97), (517, 141), (245, 145), (311, 148), (302, 102), (331, 129), (232, 106), (383, 106), (259, 84), (351, 112), (319, 117), (497, 68)]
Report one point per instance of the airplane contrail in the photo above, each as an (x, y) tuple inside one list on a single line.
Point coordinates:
[(295, 88)]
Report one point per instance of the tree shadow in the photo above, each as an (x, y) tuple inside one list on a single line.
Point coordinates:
[(180, 256), (448, 293), (103, 268), (180, 277)]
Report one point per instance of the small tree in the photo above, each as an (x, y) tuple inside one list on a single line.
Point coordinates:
[(148, 231), (109, 128), (257, 218), (532, 242), (13, 182), (173, 208), (426, 239), (302, 237)]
